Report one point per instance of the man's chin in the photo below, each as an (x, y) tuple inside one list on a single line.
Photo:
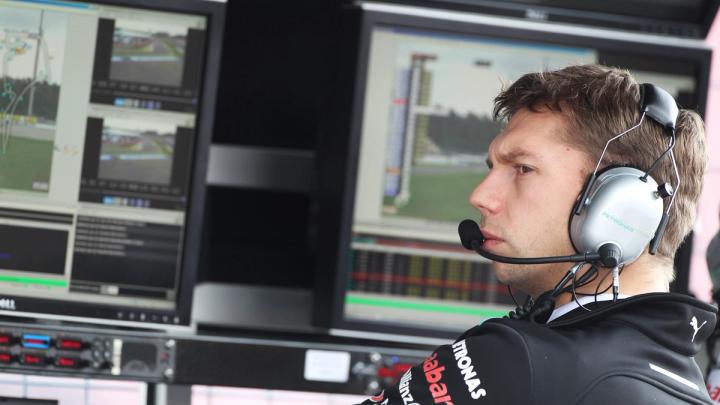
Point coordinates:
[(518, 276), (507, 273), (531, 279)]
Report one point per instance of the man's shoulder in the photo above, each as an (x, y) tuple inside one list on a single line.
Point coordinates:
[(498, 335), (489, 364), (491, 361), (511, 332)]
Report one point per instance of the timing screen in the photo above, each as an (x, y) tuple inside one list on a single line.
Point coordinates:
[(98, 108)]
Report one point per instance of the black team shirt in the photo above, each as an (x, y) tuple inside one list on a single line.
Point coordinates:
[(639, 350)]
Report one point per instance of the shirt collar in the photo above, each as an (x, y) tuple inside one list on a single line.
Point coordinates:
[(584, 300)]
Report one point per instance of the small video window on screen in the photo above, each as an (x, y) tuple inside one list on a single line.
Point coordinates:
[(145, 53), (32, 53), (428, 112), (137, 151), (148, 60), (137, 159)]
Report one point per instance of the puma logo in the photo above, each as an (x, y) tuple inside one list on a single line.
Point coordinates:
[(694, 324)]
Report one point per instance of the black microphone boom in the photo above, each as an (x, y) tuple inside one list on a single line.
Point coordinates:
[(472, 239)]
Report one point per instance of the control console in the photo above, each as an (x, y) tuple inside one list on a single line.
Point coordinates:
[(87, 353)]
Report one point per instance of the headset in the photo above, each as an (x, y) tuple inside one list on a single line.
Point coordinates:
[(620, 211), (624, 206)]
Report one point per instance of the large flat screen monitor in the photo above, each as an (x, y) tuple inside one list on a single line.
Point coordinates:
[(422, 123), (105, 119)]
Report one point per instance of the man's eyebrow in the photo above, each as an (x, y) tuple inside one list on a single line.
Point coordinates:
[(511, 156)]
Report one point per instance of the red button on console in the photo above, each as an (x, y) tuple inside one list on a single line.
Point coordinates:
[(69, 344), (32, 360)]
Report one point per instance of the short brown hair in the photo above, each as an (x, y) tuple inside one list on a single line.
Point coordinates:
[(601, 102)]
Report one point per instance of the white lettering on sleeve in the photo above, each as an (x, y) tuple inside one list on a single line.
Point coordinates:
[(464, 363)]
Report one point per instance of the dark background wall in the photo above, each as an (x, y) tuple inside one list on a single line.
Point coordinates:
[(280, 60)]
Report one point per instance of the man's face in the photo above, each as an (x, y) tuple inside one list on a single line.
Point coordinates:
[(526, 198)]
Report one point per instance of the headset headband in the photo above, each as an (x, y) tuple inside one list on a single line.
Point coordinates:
[(659, 105)]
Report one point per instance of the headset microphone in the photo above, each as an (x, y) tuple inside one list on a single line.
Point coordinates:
[(472, 239), (538, 310)]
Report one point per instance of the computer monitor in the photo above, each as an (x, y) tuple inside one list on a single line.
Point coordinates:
[(106, 114), (422, 124)]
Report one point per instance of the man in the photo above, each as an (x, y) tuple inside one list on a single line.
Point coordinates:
[(635, 348)]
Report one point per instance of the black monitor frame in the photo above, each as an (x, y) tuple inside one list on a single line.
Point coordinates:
[(39, 309), (677, 19), (339, 150)]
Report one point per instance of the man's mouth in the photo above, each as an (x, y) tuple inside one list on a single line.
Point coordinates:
[(491, 239)]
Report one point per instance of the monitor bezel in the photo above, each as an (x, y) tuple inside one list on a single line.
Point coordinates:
[(341, 157), (80, 312), (608, 17)]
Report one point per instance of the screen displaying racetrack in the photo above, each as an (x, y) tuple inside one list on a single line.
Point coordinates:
[(426, 128), (98, 107)]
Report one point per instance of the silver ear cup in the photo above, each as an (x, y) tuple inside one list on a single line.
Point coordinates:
[(620, 208)]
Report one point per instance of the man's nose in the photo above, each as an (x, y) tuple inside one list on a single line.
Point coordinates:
[(487, 196)]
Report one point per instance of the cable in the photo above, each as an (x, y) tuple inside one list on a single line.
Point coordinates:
[(597, 287), (528, 310), (575, 295), (585, 279), (521, 311), (662, 155), (606, 288), (616, 281), (517, 305)]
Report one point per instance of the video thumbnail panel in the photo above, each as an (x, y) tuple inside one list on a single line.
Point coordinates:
[(152, 54), (149, 62), (137, 161), (137, 151), (32, 49)]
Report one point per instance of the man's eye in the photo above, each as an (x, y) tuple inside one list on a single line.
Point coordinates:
[(523, 169)]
